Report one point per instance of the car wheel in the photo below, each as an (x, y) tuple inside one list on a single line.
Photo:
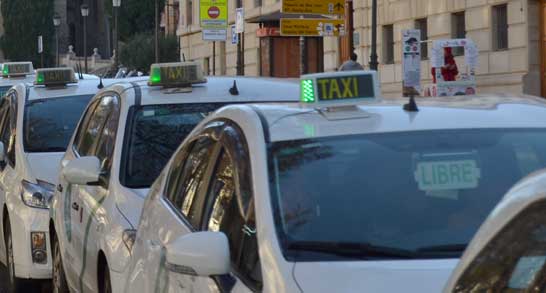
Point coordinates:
[(14, 284), (59, 278), (106, 284)]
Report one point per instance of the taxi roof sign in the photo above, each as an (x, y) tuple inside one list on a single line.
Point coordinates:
[(14, 69), (180, 74), (55, 76), (339, 88)]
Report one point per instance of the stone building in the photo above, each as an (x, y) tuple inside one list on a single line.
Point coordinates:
[(508, 34), (71, 29)]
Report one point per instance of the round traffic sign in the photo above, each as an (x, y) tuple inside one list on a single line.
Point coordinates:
[(214, 12)]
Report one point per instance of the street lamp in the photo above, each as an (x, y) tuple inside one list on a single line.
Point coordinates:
[(116, 4), (373, 57), (57, 23), (85, 13)]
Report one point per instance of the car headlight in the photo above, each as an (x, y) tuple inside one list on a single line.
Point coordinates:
[(37, 195), (129, 239)]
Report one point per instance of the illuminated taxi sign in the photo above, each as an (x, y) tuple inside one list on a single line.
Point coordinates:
[(176, 74), (339, 88), (55, 76), (12, 69)]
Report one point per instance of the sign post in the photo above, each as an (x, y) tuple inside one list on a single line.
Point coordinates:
[(313, 27), (411, 50), (213, 16)]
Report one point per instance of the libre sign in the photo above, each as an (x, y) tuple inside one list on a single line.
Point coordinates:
[(213, 16), (314, 6), (311, 27)]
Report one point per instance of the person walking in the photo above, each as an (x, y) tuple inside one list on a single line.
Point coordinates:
[(351, 64)]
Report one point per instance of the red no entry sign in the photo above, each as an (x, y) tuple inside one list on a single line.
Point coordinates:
[(214, 12)]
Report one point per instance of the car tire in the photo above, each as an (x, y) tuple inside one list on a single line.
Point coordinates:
[(58, 281), (14, 284), (106, 283)]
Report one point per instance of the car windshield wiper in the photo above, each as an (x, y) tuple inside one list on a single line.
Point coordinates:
[(353, 250), (446, 248)]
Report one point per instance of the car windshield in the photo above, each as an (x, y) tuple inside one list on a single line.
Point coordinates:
[(155, 133), (419, 194), (49, 123)]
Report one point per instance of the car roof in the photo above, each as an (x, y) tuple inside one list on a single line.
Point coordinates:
[(11, 81), (289, 122), (216, 90), (83, 87)]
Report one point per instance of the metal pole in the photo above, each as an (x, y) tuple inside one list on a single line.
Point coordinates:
[(85, 42), (156, 31), (116, 38), (373, 57), (57, 47), (239, 60), (213, 58), (351, 24), (242, 53), (303, 56)]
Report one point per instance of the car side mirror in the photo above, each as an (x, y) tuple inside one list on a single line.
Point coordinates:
[(82, 171), (200, 253)]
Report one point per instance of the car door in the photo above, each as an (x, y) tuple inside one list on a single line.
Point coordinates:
[(514, 260), (68, 217), (185, 185), (8, 182), (228, 207), (94, 215)]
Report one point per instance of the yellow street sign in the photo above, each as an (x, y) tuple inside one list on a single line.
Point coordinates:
[(313, 6), (213, 14), (312, 27)]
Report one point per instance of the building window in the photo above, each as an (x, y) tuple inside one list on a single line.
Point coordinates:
[(500, 27), (257, 3), (388, 44), (189, 12), (458, 30), (421, 24)]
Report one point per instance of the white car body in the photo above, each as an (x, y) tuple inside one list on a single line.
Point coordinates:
[(162, 225), (511, 254), (30, 167), (94, 241)]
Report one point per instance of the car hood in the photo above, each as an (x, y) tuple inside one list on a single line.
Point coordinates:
[(421, 276), (129, 202), (45, 166)]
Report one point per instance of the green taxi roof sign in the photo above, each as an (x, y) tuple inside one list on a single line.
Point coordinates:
[(17, 69), (180, 74), (55, 76), (339, 88)]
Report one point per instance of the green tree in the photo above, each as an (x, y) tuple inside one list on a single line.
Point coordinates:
[(138, 52), (135, 16), (24, 21)]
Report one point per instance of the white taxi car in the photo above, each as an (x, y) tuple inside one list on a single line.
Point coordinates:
[(127, 134), (13, 73), (37, 122), (343, 193), (508, 254)]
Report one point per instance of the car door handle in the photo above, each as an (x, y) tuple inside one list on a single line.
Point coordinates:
[(75, 206)]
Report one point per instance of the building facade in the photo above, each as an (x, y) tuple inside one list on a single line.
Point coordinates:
[(509, 35)]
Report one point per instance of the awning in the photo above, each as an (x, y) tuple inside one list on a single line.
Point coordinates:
[(277, 15)]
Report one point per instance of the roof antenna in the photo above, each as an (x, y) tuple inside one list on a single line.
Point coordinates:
[(183, 57), (412, 105), (234, 91), (101, 85)]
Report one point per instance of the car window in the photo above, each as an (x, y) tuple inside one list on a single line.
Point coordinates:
[(193, 179), (227, 216), (174, 173), (44, 130), (93, 129), (107, 140), (8, 128), (84, 122), (514, 260), (4, 90)]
